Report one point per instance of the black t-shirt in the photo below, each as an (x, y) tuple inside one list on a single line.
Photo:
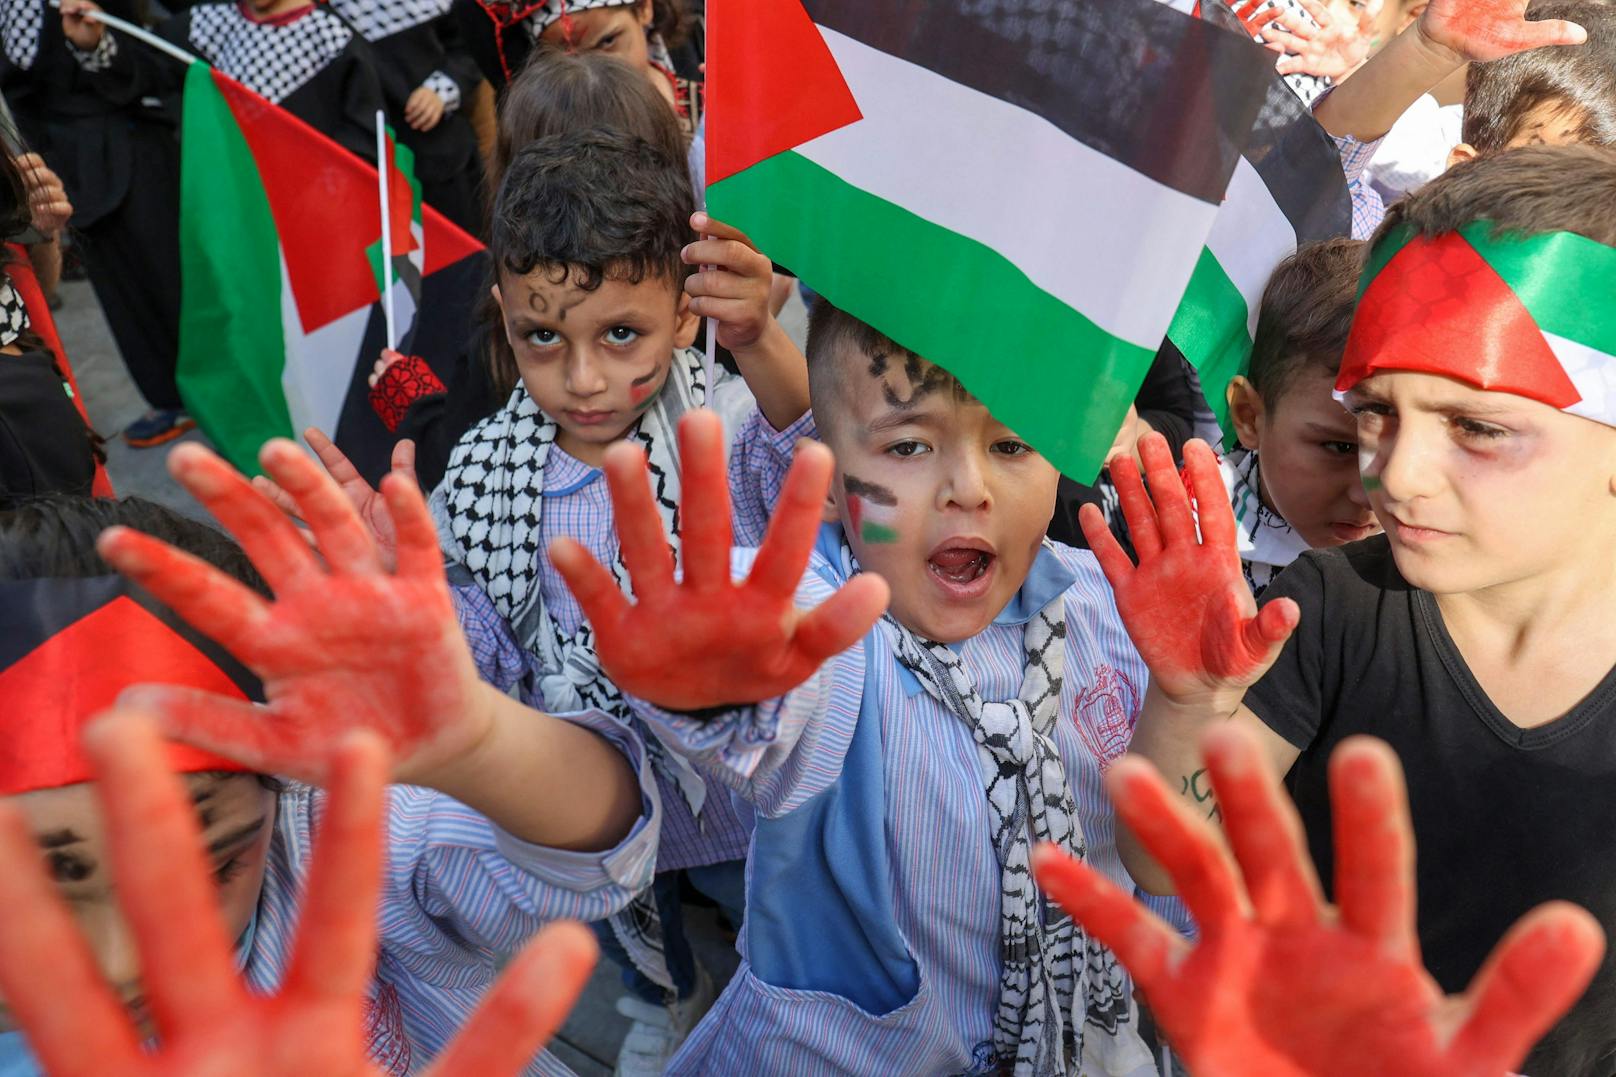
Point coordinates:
[(1504, 818)]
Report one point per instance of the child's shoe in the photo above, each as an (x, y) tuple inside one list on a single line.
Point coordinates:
[(157, 427), (659, 1031)]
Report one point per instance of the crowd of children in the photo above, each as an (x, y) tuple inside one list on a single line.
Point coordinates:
[(803, 632)]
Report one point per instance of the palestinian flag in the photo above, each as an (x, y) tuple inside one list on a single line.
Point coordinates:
[(1016, 191), (1287, 189), (280, 248)]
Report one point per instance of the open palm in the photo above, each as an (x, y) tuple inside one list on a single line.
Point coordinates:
[(1481, 30)]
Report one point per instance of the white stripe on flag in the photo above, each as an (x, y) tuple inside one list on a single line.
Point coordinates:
[(320, 365), (1250, 237), (1593, 373), (1104, 239)]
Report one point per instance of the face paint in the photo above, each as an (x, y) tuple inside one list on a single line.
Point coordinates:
[(1366, 460), (643, 392), (872, 509)]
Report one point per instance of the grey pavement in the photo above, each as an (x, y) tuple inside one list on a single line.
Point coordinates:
[(589, 1041)]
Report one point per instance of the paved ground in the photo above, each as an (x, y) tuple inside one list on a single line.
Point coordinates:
[(590, 1039)]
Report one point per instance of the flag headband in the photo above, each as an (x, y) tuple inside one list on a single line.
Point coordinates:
[(68, 647), (1530, 315)]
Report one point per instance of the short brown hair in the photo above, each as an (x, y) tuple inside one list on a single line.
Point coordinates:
[(1580, 79), (834, 334), (1306, 315)]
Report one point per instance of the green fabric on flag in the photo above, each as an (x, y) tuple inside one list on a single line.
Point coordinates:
[(231, 344), (1210, 329), (1041, 367), (1555, 274)]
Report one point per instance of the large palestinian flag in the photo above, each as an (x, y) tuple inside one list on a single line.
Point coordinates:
[(280, 239), (1018, 191), (1287, 189)]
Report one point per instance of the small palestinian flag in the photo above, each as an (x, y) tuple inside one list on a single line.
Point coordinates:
[(1018, 191), (68, 648), (1503, 312), (1287, 189), (280, 248)]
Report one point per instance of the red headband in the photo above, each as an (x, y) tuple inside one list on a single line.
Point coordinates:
[(68, 647)]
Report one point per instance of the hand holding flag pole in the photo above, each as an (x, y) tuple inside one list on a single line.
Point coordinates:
[(123, 26), (382, 173)]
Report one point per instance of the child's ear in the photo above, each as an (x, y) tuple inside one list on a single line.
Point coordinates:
[(1461, 153), (1245, 411), (647, 13), (831, 512), (687, 323)]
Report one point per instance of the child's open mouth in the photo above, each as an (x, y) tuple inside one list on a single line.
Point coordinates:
[(963, 571)]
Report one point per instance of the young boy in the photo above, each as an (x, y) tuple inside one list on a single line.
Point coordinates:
[(590, 241), (1475, 636), (506, 818), (891, 923), (1294, 482)]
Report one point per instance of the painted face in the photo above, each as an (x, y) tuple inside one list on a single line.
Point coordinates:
[(619, 32), (938, 497), (238, 821), (1308, 447), (594, 361), (1482, 489)]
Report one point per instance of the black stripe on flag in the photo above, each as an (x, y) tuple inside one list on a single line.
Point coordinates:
[(1168, 95), (1295, 157)]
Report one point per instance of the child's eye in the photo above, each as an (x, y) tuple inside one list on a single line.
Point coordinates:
[(622, 335), (1012, 448), (543, 338), (605, 44), (1475, 430), (908, 448), (224, 873), (1340, 448)]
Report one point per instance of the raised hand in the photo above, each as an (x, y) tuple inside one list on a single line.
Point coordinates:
[(706, 641), (1481, 30), (347, 644), (1281, 984), (365, 498), (1332, 45), (79, 24), (1186, 605), (207, 1020)]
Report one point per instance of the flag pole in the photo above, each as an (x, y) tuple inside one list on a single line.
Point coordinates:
[(387, 230), (139, 33), (709, 361)]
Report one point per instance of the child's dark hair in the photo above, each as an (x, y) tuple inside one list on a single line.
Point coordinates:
[(670, 19), (1305, 316), (1579, 80), (834, 334), (14, 211), (1527, 191), (55, 537)]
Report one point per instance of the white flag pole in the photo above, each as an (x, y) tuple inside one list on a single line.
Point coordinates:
[(709, 362), (138, 33), (387, 230)]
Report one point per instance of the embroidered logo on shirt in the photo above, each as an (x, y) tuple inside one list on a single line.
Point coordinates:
[(1105, 713)]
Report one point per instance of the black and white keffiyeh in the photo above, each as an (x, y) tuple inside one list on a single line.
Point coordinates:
[(13, 314), (20, 25), (272, 59), (378, 19)]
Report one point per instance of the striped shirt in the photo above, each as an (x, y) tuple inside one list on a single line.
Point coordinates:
[(946, 877), (458, 895), (577, 505)]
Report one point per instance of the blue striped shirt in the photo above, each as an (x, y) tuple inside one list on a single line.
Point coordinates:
[(946, 876), (458, 895)]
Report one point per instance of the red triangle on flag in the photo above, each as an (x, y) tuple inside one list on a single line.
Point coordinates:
[(772, 83)]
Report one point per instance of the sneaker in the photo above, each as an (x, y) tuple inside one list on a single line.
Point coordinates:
[(659, 1031), (158, 426)]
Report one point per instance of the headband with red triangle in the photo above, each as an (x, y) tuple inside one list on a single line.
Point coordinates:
[(68, 647)]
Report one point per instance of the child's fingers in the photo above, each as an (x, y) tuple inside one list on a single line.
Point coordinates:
[(1263, 830), (731, 258), (280, 498), (232, 728), (403, 461), (842, 619), (1186, 847), (523, 1010), (1264, 634), (165, 884), (592, 584), (733, 315), (641, 540), (217, 605), (1107, 550), (348, 547), (794, 528), (1374, 846), (75, 1025), (270, 540), (1146, 946), (1137, 510), (336, 943), (415, 540), (1167, 492), (1286, 40), (1534, 35), (335, 461), (707, 225), (1321, 14), (704, 523), (725, 284), (1533, 976), (1258, 24), (1213, 512)]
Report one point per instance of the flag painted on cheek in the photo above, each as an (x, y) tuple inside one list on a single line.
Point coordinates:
[(1017, 191), (872, 509)]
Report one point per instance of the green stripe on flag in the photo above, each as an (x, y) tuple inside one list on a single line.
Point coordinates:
[(1210, 329), (1556, 275), (231, 348), (1041, 367)]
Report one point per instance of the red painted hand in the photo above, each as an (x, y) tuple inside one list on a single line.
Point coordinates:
[(345, 645), (1332, 43), (1481, 30), (1186, 605), (207, 1020), (1281, 984), (707, 641), (366, 500)]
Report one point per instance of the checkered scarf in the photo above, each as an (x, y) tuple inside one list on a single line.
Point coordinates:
[(13, 314), (20, 25), (378, 19)]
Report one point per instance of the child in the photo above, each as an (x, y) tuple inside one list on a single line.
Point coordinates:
[(1475, 636), (294, 53), (891, 922), (589, 241), (508, 818), (1294, 484)]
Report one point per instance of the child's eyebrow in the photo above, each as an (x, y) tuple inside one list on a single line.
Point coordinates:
[(893, 419), (236, 837), (56, 839)]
